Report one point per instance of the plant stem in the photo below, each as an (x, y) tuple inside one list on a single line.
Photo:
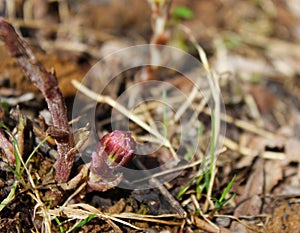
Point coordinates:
[(47, 83)]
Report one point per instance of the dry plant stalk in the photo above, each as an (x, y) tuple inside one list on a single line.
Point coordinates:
[(47, 83), (159, 16)]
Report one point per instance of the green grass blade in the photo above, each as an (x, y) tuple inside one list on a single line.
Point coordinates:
[(83, 222), (226, 201), (10, 196), (59, 225), (227, 189), (185, 188), (165, 117), (17, 156), (207, 180), (35, 149), (212, 144)]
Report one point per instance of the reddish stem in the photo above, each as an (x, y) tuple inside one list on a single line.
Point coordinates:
[(48, 85)]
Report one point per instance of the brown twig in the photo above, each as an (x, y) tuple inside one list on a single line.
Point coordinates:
[(48, 85)]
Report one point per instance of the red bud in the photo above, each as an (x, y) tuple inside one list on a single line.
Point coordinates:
[(115, 150), (118, 147)]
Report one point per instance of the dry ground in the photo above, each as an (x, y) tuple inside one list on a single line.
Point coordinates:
[(253, 47)]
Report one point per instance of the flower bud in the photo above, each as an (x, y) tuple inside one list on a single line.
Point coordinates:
[(115, 150), (118, 148)]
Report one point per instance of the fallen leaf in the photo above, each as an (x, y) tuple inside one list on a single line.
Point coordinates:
[(273, 174), (265, 100), (292, 148), (249, 203)]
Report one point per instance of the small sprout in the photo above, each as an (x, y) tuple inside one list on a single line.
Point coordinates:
[(114, 151), (182, 13)]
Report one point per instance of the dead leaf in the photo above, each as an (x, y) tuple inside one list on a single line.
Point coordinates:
[(260, 143), (249, 202), (264, 99), (273, 174), (292, 148)]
